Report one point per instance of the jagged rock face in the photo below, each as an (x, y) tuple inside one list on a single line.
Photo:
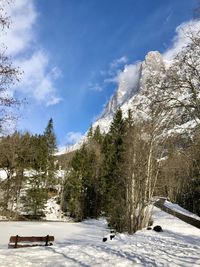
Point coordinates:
[(131, 82), (128, 86), (153, 66), (153, 62)]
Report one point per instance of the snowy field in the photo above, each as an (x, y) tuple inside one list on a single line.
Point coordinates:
[(80, 244)]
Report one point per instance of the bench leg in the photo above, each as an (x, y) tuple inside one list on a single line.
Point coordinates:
[(47, 240), (16, 240)]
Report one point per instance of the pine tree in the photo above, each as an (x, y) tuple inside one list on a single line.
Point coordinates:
[(50, 140), (90, 132), (36, 195), (97, 136), (35, 198), (74, 186), (113, 148)]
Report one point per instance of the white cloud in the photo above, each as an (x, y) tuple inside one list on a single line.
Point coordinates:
[(127, 81), (73, 137), (181, 39), (129, 76), (118, 62), (20, 35), (95, 87), (109, 74), (168, 17), (38, 78)]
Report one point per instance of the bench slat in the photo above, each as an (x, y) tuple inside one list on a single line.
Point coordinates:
[(26, 245), (31, 238)]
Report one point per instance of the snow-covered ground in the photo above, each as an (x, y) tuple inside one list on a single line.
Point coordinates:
[(3, 174), (53, 211), (179, 209), (80, 244)]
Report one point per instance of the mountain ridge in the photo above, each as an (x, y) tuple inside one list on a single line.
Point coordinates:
[(152, 65)]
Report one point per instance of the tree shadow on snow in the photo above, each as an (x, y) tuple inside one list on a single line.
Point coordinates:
[(80, 263)]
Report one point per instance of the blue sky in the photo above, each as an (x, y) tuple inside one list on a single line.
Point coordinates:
[(69, 49)]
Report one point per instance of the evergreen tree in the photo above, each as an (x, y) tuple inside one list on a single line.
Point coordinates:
[(114, 149), (83, 187), (35, 198), (97, 136), (36, 194), (90, 132), (74, 185), (50, 139)]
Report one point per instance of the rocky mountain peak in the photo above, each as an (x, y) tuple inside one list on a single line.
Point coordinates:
[(128, 85), (152, 66), (153, 63), (131, 82)]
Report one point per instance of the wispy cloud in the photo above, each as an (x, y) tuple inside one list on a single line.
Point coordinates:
[(116, 66), (109, 74), (73, 137), (129, 76), (126, 76), (96, 87), (38, 79), (182, 38), (118, 62), (126, 81), (168, 17), (20, 35)]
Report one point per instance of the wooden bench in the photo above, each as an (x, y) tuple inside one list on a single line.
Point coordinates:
[(30, 241)]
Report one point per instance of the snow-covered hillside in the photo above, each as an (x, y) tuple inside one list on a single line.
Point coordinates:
[(80, 244), (53, 211)]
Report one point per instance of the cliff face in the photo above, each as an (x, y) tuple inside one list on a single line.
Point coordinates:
[(132, 81), (128, 86)]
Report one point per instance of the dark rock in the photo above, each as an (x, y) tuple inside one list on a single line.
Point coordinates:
[(158, 228), (149, 228), (104, 239), (112, 236)]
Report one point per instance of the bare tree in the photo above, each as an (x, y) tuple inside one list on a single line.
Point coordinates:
[(145, 151), (8, 156), (9, 75), (180, 88)]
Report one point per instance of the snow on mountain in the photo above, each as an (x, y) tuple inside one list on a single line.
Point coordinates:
[(128, 81), (133, 79), (132, 82)]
